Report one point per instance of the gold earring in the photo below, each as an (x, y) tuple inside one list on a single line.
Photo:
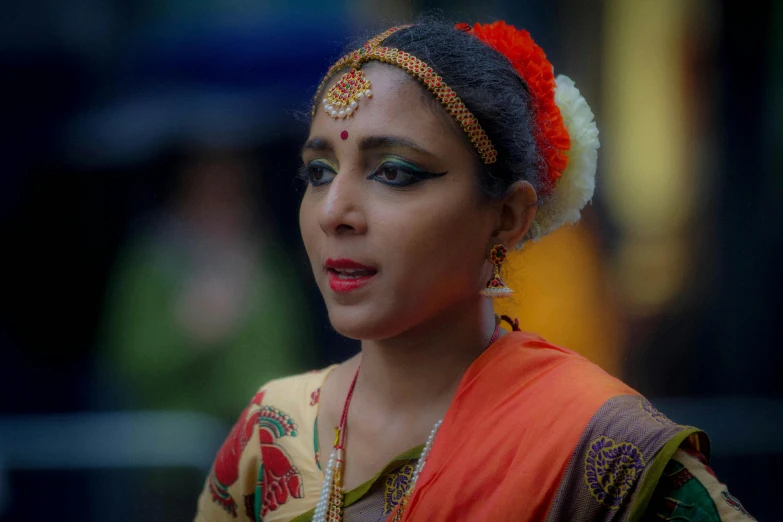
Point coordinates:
[(496, 287)]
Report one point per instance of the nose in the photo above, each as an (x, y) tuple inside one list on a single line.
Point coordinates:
[(342, 211)]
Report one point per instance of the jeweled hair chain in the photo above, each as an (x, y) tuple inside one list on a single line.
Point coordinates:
[(343, 98)]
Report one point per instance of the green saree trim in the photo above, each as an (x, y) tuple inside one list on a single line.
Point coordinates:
[(654, 472), (359, 491)]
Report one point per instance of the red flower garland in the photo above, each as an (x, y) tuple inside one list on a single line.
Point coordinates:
[(530, 62)]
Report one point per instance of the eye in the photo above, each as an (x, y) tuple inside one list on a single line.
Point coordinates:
[(317, 173), (396, 174)]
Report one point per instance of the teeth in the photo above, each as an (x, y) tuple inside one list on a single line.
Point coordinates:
[(350, 273)]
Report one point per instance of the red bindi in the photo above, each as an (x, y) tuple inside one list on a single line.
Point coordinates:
[(344, 135)]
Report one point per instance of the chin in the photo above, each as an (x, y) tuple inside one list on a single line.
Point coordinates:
[(362, 325)]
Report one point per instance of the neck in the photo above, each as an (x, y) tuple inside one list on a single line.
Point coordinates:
[(419, 370)]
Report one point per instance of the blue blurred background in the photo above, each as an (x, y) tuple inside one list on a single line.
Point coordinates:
[(153, 276)]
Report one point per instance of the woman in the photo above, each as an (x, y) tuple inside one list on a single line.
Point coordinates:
[(432, 150)]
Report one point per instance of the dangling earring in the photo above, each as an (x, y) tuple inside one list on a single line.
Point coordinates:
[(496, 287)]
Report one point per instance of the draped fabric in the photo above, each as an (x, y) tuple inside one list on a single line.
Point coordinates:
[(534, 432), (515, 430)]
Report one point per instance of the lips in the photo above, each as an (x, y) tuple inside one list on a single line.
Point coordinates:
[(346, 275)]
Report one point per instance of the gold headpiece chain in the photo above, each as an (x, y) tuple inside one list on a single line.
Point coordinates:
[(342, 99)]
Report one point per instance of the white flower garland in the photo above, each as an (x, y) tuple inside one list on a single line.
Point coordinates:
[(576, 185)]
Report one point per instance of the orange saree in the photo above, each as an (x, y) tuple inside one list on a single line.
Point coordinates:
[(537, 432)]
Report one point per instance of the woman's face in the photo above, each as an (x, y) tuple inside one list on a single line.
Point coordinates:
[(392, 219)]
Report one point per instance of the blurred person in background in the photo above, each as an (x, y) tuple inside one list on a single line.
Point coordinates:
[(413, 200), (203, 301)]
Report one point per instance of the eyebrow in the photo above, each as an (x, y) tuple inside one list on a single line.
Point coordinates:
[(317, 144), (367, 143)]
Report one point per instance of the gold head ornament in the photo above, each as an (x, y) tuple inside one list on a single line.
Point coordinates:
[(343, 98)]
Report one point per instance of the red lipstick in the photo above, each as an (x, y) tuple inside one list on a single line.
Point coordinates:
[(346, 275)]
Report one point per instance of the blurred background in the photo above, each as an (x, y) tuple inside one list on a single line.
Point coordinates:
[(153, 275)]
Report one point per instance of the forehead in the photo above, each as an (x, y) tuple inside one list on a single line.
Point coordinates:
[(400, 106)]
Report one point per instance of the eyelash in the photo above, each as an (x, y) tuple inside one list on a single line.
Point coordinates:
[(416, 175), (306, 174)]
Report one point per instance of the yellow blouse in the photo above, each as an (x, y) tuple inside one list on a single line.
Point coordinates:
[(273, 441)]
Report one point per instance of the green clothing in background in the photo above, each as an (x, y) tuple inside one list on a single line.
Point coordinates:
[(197, 324)]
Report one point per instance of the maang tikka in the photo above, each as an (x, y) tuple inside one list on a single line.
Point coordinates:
[(343, 98), (352, 89), (495, 286)]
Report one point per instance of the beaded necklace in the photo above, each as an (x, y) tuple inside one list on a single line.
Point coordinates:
[(330, 502)]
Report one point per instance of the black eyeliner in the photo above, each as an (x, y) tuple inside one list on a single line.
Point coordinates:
[(417, 173), (304, 172)]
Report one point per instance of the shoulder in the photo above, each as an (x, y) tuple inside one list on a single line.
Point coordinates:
[(622, 441), (540, 353), (294, 391), (619, 458), (286, 416), (562, 378), (273, 435)]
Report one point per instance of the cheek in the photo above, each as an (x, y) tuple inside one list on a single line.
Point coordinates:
[(443, 245), (308, 225)]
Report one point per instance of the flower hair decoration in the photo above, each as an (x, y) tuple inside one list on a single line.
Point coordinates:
[(565, 131)]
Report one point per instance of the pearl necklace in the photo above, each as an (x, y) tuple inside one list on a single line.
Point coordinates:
[(330, 502)]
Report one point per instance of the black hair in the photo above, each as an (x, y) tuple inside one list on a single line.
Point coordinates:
[(491, 89)]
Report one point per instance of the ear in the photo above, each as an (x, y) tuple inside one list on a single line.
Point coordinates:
[(516, 213)]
